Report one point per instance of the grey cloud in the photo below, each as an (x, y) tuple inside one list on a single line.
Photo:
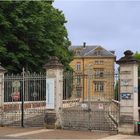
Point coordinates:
[(112, 24)]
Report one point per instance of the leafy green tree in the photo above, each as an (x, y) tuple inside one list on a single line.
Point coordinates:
[(30, 32), (137, 56)]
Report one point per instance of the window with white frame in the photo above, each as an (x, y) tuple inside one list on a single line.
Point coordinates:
[(78, 80), (78, 66), (78, 52), (96, 62), (99, 73), (99, 62), (78, 93), (99, 86)]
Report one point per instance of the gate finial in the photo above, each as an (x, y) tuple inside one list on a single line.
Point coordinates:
[(53, 63), (128, 58)]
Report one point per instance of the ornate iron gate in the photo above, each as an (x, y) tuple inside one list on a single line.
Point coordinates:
[(24, 100), (89, 101)]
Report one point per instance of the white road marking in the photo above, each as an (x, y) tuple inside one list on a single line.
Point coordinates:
[(29, 133)]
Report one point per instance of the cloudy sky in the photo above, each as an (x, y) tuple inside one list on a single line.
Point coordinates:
[(113, 24)]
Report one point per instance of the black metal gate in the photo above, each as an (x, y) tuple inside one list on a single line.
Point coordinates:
[(139, 103), (89, 101), (24, 100)]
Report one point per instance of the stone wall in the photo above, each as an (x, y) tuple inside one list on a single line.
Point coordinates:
[(17, 105)]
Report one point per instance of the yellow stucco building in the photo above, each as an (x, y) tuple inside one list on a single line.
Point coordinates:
[(94, 72)]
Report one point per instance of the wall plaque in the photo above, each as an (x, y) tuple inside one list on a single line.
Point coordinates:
[(126, 119), (50, 93), (125, 96)]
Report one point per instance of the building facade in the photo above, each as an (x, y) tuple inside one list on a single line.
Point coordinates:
[(94, 70)]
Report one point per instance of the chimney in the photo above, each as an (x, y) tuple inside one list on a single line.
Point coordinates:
[(84, 45)]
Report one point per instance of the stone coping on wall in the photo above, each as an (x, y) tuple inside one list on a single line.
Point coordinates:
[(27, 104)]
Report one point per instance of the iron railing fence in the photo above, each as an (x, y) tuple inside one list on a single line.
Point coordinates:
[(114, 109), (34, 87), (104, 86), (24, 100), (94, 118), (88, 100)]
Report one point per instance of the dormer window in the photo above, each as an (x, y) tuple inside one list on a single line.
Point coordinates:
[(97, 52), (77, 52)]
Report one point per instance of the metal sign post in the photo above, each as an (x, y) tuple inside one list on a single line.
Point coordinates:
[(22, 104)]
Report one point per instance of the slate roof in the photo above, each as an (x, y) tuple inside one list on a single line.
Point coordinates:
[(91, 51)]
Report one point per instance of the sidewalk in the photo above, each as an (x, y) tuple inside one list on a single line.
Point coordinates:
[(40, 133), (121, 137)]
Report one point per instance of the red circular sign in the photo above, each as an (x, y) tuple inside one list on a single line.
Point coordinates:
[(15, 96)]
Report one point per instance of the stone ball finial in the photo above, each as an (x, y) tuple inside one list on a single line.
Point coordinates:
[(53, 63), (128, 53), (128, 58)]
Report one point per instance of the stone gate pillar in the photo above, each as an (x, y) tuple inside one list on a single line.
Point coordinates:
[(54, 92), (2, 71), (128, 93)]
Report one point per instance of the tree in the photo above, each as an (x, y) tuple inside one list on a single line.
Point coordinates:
[(137, 56), (30, 32)]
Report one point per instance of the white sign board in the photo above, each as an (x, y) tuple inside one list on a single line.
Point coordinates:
[(101, 106), (84, 106), (50, 93)]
